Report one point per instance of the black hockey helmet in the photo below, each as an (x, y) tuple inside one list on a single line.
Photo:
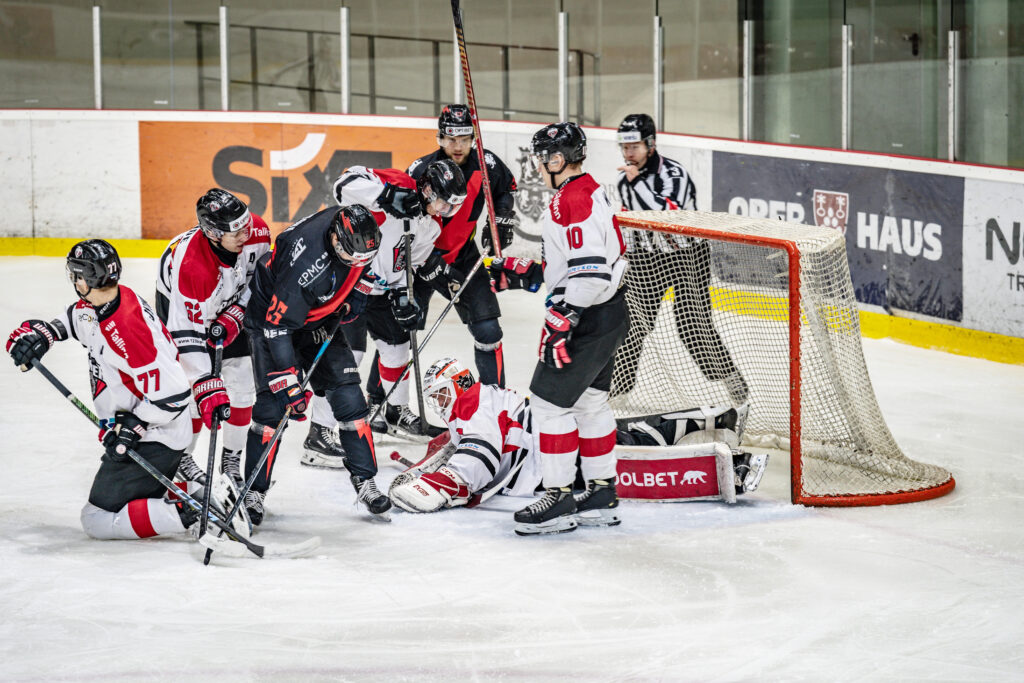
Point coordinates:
[(637, 128), (455, 120), (443, 180), (219, 212), (565, 138), (94, 261), (357, 233)]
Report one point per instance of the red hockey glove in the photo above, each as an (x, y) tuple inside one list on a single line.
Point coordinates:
[(212, 399), (286, 383), (558, 326), (517, 273), (226, 326), (32, 340)]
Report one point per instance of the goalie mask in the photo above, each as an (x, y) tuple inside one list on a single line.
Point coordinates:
[(96, 263), (443, 383)]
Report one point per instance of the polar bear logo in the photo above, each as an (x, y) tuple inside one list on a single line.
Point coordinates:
[(694, 477)]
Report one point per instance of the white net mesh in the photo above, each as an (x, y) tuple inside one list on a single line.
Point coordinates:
[(710, 325)]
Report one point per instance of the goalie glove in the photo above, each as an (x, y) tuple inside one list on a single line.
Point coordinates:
[(32, 339), (558, 326), (515, 273), (506, 232), (226, 326)]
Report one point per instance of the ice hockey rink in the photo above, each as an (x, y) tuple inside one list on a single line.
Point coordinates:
[(761, 590)]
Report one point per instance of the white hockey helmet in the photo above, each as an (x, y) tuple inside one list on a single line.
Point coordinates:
[(443, 382)]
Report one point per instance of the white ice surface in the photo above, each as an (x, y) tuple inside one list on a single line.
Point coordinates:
[(761, 590)]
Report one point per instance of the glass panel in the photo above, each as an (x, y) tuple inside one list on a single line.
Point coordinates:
[(991, 89), (898, 91), (796, 71), (151, 57), (617, 36), (46, 55), (703, 67)]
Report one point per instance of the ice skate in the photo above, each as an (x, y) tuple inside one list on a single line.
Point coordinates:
[(404, 424), (231, 465), (554, 513), (597, 505), (748, 468), (322, 448), (254, 506), (369, 495), (378, 423), (188, 470)]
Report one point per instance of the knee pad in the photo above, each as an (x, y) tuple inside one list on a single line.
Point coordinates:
[(237, 376), (347, 403), (486, 332)]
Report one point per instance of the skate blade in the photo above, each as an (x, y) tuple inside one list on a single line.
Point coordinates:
[(381, 516), (559, 525), (311, 458), (598, 518), (407, 436)]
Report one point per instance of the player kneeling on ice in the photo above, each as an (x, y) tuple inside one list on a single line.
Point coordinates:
[(140, 392), (492, 448)]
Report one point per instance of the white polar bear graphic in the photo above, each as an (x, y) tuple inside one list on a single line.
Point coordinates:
[(694, 477)]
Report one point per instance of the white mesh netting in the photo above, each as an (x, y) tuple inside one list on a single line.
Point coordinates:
[(710, 325)]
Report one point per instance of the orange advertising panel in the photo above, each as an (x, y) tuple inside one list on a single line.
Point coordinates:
[(283, 171)]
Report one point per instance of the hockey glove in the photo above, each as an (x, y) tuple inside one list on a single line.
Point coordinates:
[(519, 273), (32, 340), (212, 399), (126, 433), (405, 309), (355, 302), (226, 326), (399, 202), (558, 326), (435, 271), (286, 384), (506, 231)]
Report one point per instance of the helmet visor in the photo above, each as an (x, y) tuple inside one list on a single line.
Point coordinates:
[(442, 207), (90, 272)]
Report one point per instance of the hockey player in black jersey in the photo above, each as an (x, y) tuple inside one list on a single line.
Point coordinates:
[(306, 286), (477, 305), (650, 181)]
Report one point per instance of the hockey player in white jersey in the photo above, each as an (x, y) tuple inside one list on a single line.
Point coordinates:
[(586, 320), (140, 392), (201, 294), (401, 206), (492, 449), (650, 181)]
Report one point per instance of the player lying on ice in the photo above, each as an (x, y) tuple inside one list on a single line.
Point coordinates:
[(141, 395), (492, 448)]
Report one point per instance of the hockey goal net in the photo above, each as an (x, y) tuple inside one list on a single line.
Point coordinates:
[(725, 310)]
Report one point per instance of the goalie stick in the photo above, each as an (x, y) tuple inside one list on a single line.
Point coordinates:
[(236, 546)]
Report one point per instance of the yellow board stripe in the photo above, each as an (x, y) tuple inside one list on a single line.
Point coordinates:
[(949, 338)]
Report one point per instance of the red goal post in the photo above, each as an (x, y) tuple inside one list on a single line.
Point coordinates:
[(730, 309)]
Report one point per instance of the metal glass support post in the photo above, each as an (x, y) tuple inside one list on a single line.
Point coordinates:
[(952, 103), (97, 59), (563, 66), (659, 73), (457, 96), (845, 99), (345, 63), (224, 77), (748, 61)]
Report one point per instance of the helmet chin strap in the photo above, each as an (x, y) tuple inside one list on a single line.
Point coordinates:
[(554, 184)]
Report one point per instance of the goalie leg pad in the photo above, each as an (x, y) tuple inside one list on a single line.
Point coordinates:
[(431, 491)]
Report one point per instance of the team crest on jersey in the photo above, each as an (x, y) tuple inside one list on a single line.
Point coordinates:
[(399, 258), (831, 209), (300, 246)]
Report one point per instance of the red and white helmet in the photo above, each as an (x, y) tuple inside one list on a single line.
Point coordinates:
[(443, 382)]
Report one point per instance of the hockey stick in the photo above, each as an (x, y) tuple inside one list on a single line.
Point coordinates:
[(460, 34), (296, 550), (412, 333), (218, 360), (277, 435)]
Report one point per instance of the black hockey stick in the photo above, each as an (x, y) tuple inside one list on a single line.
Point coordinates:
[(258, 550), (460, 35), (277, 435), (412, 333), (218, 360)]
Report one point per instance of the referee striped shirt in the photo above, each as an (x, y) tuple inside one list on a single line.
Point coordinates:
[(661, 185)]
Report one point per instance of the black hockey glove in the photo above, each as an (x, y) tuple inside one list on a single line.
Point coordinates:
[(558, 326), (399, 202), (32, 340), (355, 302), (515, 273), (506, 231), (405, 309), (435, 271), (126, 433)]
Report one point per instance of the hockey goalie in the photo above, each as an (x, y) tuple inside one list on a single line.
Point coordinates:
[(489, 449)]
